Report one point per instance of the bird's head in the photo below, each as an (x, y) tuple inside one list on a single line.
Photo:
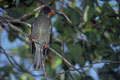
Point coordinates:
[(46, 10)]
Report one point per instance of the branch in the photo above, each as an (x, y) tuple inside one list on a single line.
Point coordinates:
[(60, 74), (12, 20), (71, 76), (118, 1), (18, 29), (57, 40), (66, 61), (16, 65), (111, 62), (3, 20), (3, 51), (14, 35), (7, 21), (66, 17), (51, 2), (31, 12), (63, 14), (43, 65)]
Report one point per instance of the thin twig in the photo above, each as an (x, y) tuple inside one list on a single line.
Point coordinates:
[(111, 62), (21, 22), (64, 15), (71, 76), (57, 40), (14, 35), (60, 74), (43, 65), (3, 20), (51, 2), (31, 12), (16, 66), (63, 44), (11, 19), (3, 51), (18, 29)]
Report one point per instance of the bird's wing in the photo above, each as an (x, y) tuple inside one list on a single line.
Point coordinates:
[(41, 29)]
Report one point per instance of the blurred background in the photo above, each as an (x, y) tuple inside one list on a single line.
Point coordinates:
[(85, 32)]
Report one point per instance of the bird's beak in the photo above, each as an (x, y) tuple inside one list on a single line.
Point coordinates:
[(51, 13)]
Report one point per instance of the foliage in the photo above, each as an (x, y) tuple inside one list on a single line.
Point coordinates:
[(93, 35)]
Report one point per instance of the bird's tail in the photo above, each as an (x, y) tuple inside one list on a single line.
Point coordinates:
[(38, 56)]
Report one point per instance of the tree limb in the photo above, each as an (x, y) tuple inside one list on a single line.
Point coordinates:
[(66, 61)]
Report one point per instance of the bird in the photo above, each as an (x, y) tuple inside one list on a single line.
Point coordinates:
[(40, 32)]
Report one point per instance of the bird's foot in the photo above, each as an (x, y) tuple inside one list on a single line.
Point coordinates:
[(33, 37), (46, 45)]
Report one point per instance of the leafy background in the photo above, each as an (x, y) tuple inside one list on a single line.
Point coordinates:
[(93, 36)]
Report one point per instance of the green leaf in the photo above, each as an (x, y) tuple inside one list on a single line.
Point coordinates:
[(107, 35), (98, 9), (76, 53), (92, 38), (56, 46), (85, 17), (28, 1), (57, 61), (16, 12), (26, 76), (11, 38), (72, 4)]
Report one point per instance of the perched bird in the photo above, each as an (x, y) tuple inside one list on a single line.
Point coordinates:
[(40, 32)]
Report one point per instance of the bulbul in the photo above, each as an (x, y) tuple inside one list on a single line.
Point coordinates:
[(40, 32)]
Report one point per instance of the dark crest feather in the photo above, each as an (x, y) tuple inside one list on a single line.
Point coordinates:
[(46, 9)]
